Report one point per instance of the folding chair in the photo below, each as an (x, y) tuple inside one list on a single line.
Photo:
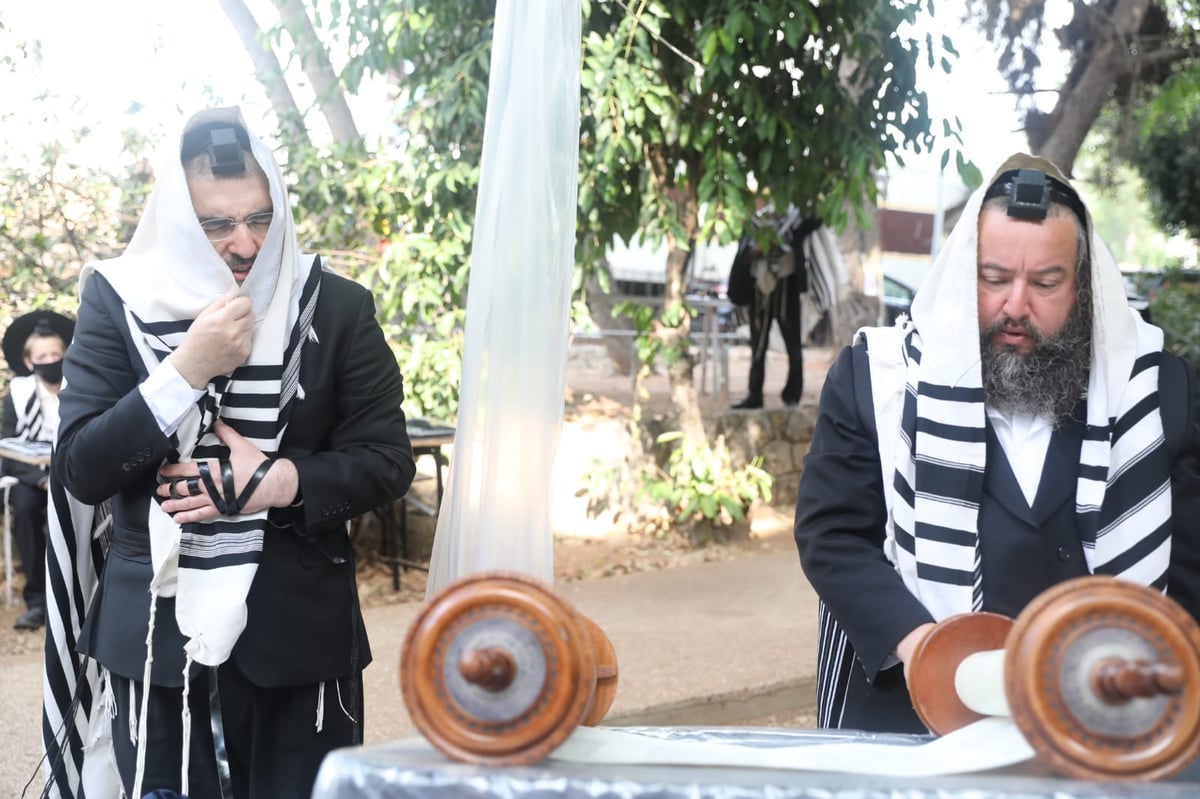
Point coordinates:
[(6, 483)]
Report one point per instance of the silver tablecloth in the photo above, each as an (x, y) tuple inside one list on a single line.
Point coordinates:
[(413, 769)]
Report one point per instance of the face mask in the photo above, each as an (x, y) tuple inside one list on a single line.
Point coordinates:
[(49, 372)]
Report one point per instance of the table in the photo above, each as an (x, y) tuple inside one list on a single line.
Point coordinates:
[(412, 769), (13, 449), (426, 439)]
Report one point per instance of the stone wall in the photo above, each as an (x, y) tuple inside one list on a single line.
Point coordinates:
[(780, 435)]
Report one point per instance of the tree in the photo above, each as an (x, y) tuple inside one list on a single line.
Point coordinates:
[(267, 70), (1120, 52), (689, 119), (1169, 162), (56, 212), (715, 109), (679, 113)]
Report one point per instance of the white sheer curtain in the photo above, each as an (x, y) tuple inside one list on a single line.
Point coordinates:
[(496, 509)]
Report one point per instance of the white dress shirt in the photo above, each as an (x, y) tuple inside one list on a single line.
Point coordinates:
[(1025, 439)]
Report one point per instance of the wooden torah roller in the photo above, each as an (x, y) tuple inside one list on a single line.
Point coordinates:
[(496, 669), (1102, 677)]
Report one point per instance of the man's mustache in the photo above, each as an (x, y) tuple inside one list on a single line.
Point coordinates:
[(1006, 325)]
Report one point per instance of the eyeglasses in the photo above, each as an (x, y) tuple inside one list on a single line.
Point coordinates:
[(221, 229)]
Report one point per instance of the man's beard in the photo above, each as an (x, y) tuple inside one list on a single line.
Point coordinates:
[(1047, 381)]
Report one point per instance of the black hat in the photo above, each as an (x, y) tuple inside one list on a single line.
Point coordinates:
[(24, 326)]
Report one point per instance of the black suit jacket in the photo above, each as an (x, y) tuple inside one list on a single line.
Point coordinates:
[(347, 439), (840, 530)]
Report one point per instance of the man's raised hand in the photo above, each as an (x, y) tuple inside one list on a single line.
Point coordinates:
[(217, 342)]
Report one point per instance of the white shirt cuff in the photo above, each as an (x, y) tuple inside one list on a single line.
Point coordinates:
[(169, 396)]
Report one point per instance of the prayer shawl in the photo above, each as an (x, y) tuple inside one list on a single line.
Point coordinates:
[(31, 425), (929, 413), (826, 269), (168, 274)]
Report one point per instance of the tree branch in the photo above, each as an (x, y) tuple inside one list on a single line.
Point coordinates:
[(267, 70)]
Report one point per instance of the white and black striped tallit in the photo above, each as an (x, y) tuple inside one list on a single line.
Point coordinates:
[(931, 422), (168, 274), (826, 268), (30, 424)]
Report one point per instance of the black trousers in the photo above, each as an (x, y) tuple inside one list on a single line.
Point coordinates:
[(781, 306), (29, 533), (269, 735)]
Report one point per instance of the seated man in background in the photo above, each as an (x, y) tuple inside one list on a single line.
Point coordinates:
[(1024, 427), (33, 346)]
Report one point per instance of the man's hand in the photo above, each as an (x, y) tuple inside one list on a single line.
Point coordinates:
[(277, 489), (908, 644), (217, 342)]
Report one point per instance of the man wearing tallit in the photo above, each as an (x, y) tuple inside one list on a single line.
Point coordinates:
[(1024, 427), (33, 346), (239, 405)]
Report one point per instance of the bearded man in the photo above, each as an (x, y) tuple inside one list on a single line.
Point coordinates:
[(1024, 427)]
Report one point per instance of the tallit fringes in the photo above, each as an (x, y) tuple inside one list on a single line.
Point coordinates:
[(133, 713), (108, 701), (186, 719), (320, 706), (143, 716), (338, 686)]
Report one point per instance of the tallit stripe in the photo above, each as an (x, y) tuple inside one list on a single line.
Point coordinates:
[(228, 544), (1131, 420), (950, 432), (945, 576), (251, 401), (231, 414), (235, 526), (940, 553), (946, 477), (252, 373), (951, 393), (1147, 361), (834, 667), (944, 510), (904, 539), (947, 535), (1130, 558), (302, 330), (169, 327), (210, 562), (73, 561), (263, 431), (1138, 476)]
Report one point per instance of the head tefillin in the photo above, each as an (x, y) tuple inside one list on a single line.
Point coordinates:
[(1030, 192), (226, 145)]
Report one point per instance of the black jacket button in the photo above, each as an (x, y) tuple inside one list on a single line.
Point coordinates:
[(1064, 553)]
